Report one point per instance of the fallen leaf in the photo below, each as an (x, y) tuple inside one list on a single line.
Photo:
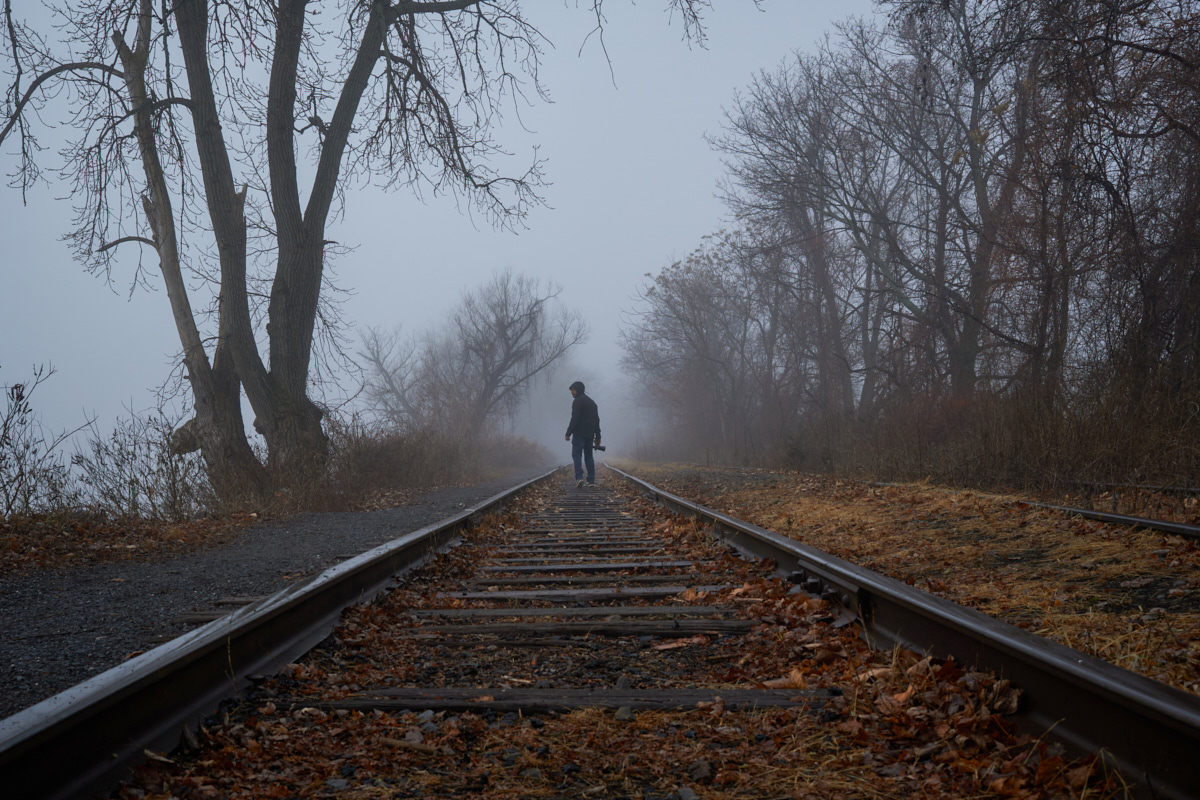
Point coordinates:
[(793, 680), (675, 645), (1079, 776), (159, 757), (1008, 786), (871, 674), (418, 746)]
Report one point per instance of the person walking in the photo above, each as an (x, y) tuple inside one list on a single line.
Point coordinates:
[(583, 433)]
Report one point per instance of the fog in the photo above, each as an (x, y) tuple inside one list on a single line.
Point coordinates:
[(631, 188)]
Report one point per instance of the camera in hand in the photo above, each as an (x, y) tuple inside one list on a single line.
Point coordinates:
[(599, 447)]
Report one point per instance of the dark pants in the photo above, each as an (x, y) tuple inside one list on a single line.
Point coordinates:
[(581, 454)]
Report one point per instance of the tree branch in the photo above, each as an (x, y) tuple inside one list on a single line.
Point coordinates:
[(124, 239), (45, 76)]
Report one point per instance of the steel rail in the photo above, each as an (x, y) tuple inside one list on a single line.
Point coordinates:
[(1147, 730), (1163, 489), (84, 739), (1177, 528)]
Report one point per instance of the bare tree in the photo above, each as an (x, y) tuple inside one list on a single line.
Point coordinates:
[(33, 474), (778, 138), (1130, 72), (390, 363), (196, 124), (478, 369), (978, 214), (708, 345)]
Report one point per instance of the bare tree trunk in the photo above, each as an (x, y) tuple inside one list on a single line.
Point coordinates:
[(873, 308), (217, 429), (287, 418)]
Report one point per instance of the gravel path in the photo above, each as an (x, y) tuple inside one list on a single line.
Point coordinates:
[(58, 628)]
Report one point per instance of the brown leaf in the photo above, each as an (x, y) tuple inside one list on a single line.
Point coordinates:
[(159, 757), (675, 645), (1006, 698), (1008, 786), (420, 747), (1048, 768), (793, 680), (1079, 776), (825, 656), (871, 674)]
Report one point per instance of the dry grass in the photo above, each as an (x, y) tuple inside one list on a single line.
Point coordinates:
[(58, 541), (1130, 597)]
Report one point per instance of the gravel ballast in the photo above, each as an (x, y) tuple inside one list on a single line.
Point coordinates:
[(61, 627)]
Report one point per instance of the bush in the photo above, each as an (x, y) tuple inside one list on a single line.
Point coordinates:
[(33, 474), (1020, 441), (367, 462), (133, 474)]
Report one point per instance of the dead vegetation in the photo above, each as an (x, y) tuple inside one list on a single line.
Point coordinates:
[(368, 469), (62, 541), (1130, 597)]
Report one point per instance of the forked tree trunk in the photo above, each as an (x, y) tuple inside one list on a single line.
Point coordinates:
[(286, 417), (217, 429)]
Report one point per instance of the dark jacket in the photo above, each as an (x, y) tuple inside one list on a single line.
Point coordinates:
[(585, 417)]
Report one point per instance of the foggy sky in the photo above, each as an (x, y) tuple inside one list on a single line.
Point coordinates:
[(632, 184)]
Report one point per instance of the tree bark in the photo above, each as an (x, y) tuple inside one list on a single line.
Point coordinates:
[(217, 428), (288, 419)]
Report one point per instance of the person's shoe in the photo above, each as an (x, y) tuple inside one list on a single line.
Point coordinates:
[(579, 483), (590, 485)]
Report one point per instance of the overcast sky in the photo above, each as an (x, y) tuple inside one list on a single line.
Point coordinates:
[(632, 189)]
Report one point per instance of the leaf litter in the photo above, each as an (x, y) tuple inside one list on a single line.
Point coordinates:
[(883, 725)]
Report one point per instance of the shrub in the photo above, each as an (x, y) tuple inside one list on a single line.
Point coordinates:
[(368, 461), (133, 473), (33, 474)]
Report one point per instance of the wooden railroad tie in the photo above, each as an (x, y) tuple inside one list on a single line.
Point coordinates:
[(534, 701)]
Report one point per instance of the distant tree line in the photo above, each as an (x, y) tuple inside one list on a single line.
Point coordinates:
[(967, 246)]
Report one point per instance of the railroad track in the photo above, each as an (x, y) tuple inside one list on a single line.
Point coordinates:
[(1145, 523), (580, 608), (1164, 526)]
